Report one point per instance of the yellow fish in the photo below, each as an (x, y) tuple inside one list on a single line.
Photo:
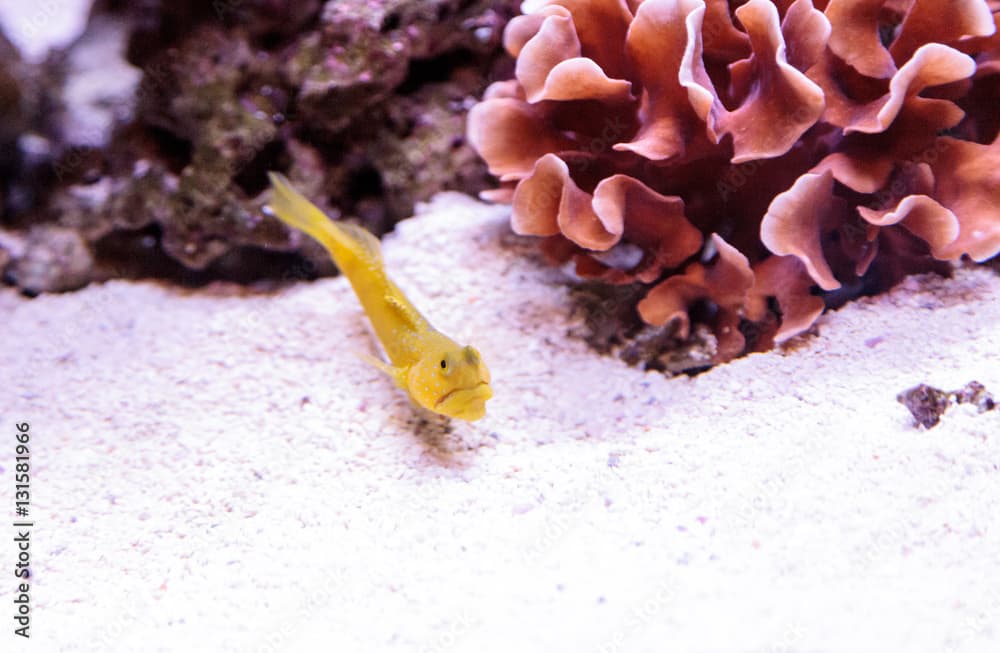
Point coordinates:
[(436, 372)]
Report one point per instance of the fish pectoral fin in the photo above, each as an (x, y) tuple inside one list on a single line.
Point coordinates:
[(395, 373)]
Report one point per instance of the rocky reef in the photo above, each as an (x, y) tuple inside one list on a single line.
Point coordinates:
[(141, 149)]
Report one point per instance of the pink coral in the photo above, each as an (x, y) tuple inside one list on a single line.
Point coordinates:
[(797, 147)]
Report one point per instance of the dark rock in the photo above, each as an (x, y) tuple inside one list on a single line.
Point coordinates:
[(55, 259), (926, 403), (360, 102)]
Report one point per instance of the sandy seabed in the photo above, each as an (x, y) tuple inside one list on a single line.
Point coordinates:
[(215, 470)]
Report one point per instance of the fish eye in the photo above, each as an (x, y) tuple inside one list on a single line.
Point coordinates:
[(444, 364)]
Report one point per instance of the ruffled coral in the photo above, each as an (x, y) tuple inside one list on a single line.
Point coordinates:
[(726, 283), (967, 181), (798, 141)]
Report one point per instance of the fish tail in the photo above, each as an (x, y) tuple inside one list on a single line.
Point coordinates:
[(343, 241)]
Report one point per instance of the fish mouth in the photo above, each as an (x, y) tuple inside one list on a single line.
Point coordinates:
[(465, 403)]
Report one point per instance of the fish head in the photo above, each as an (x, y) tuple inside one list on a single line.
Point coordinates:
[(451, 380)]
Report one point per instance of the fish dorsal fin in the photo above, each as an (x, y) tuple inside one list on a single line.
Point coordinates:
[(366, 242), (407, 313)]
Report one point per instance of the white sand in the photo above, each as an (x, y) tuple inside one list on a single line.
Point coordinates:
[(219, 472)]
